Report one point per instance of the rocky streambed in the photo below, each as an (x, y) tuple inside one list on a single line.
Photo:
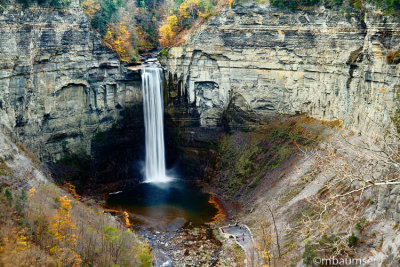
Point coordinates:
[(179, 221), (186, 246)]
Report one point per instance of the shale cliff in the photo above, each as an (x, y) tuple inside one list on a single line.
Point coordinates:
[(58, 84), (266, 61), (254, 61)]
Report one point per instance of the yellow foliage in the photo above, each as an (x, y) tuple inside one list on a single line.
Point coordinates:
[(231, 3), (167, 35), (265, 247), (172, 21), (62, 226), (22, 243), (193, 3), (119, 41), (91, 7), (31, 193), (143, 253), (72, 190), (203, 15), (183, 10)]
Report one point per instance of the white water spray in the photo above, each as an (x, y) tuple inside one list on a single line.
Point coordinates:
[(153, 107)]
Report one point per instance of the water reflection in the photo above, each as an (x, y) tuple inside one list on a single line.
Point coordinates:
[(165, 202)]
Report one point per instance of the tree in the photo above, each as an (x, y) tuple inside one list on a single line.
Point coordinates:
[(119, 41), (62, 227), (168, 32)]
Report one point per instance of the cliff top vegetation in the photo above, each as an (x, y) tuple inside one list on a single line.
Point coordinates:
[(134, 27)]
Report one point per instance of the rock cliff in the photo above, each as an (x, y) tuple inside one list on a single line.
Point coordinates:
[(269, 61), (58, 84)]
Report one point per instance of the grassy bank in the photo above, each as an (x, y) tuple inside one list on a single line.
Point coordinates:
[(243, 159), (47, 226)]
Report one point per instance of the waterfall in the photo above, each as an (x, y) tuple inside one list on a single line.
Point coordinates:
[(153, 108)]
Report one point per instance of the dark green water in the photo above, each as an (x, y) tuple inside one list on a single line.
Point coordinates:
[(165, 203)]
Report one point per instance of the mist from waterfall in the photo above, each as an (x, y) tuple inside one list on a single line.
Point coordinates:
[(153, 107)]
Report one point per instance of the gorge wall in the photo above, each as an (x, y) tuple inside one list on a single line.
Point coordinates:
[(59, 84), (269, 61)]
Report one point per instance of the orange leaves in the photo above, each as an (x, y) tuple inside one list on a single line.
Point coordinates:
[(91, 7), (221, 214), (72, 190), (231, 3), (383, 90), (65, 203), (126, 219), (118, 40)]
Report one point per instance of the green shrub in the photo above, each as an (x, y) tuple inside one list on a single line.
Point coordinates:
[(352, 241), (309, 254), (164, 52), (106, 15), (284, 4), (134, 58), (8, 194), (360, 224), (293, 4), (51, 3), (396, 120), (4, 169), (389, 7), (23, 195), (335, 2), (328, 242)]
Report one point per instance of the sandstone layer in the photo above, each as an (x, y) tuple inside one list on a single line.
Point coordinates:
[(279, 62), (59, 84)]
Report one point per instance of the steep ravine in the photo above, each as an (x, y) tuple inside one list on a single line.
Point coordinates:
[(248, 65), (63, 93)]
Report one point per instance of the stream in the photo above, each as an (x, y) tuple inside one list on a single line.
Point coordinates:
[(174, 216)]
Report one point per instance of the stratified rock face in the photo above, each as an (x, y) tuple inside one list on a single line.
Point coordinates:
[(58, 84), (317, 63)]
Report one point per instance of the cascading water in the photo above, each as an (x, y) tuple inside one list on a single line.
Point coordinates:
[(153, 107)]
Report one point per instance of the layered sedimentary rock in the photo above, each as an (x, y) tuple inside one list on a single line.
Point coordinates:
[(267, 61), (58, 84)]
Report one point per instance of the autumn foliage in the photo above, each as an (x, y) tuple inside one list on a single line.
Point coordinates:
[(119, 41), (48, 227), (115, 20), (182, 16), (168, 31)]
